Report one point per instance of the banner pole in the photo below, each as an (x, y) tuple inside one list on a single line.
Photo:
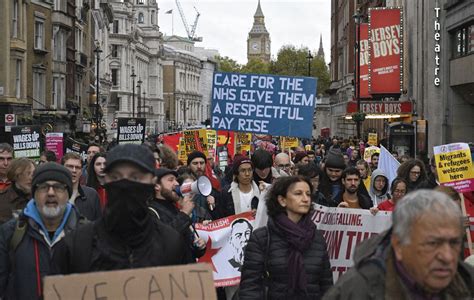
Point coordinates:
[(468, 231)]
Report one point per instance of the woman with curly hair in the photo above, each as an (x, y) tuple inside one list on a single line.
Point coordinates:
[(290, 252), (414, 172), (96, 176)]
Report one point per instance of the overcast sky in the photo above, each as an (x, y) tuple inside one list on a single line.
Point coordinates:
[(224, 24)]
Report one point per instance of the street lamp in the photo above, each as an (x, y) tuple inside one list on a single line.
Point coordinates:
[(309, 58), (357, 20), (146, 109), (139, 91), (133, 91), (97, 52)]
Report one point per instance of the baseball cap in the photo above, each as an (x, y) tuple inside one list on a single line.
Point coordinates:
[(138, 155)]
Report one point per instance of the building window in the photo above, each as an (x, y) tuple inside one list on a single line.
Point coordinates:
[(115, 77), (463, 41), (152, 17), (79, 40), (15, 22), (78, 89), (38, 89), (116, 26), (58, 93), (60, 5), (115, 51), (141, 19), (59, 45), (18, 70), (39, 34), (140, 1)]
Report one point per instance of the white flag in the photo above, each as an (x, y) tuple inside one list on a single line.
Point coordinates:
[(388, 164)]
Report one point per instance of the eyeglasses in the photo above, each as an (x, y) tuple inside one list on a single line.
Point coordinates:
[(57, 187), (284, 166)]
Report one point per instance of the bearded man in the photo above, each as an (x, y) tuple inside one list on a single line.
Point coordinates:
[(165, 209)]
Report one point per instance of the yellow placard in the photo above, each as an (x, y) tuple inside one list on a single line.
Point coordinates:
[(454, 166), (369, 151), (211, 143), (182, 150), (196, 140), (243, 142), (289, 142), (372, 139)]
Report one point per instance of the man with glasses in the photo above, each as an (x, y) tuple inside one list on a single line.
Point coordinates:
[(6, 157), (85, 199), (418, 258), (27, 243), (282, 164)]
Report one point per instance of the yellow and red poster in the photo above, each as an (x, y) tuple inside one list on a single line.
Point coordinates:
[(211, 143), (243, 143), (454, 166), (196, 140), (289, 142)]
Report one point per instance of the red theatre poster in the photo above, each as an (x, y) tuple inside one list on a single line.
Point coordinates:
[(364, 61), (385, 47)]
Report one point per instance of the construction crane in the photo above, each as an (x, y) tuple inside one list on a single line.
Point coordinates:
[(191, 31)]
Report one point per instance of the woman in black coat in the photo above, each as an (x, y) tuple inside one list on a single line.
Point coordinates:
[(289, 255)]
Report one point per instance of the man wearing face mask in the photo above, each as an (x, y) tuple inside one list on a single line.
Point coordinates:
[(128, 236)]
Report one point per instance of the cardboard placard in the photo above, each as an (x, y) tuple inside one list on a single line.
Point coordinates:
[(193, 281)]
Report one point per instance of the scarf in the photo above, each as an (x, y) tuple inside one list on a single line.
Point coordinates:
[(299, 236)]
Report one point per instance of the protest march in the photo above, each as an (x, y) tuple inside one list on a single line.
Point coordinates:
[(250, 207)]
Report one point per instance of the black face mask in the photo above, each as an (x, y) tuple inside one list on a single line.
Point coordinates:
[(126, 213)]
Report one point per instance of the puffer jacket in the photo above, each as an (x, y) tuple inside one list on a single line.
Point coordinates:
[(18, 275), (316, 266), (374, 276), (377, 199)]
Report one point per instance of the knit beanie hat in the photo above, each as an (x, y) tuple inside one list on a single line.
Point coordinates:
[(195, 154), (238, 161), (52, 171), (334, 159)]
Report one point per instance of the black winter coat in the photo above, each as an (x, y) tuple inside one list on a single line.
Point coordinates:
[(169, 214), (87, 203), (225, 206), (316, 264), (19, 281), (91, 248)]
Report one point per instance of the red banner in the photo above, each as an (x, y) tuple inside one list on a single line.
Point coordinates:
[(364, 61), (385, 40)]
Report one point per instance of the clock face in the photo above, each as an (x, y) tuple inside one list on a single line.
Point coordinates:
[(255, 46)]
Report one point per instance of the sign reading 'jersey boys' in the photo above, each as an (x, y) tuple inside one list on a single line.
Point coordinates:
[(131, 130), (265, 104)]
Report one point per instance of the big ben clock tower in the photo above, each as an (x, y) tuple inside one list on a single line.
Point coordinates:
[(258, 42)]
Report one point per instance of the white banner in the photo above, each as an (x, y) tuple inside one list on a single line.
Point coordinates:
[(344, 228), (226, 239)]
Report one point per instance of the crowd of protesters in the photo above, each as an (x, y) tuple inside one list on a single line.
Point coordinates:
[(122, 208)]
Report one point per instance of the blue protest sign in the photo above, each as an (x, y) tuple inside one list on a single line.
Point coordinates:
[(265, 104)]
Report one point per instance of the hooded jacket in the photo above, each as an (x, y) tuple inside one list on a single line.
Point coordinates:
[(377, 199), (18, 275)]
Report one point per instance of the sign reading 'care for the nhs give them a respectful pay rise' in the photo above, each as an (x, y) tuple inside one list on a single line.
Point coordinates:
[(267, 104)]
